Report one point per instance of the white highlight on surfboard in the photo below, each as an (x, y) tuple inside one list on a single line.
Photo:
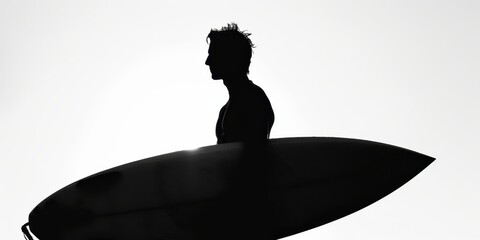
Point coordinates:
[(193, 149)]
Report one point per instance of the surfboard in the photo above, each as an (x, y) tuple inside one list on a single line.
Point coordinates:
[(233, 190)]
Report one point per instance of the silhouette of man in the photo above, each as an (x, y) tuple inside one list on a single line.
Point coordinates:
[(248, 115), (245, 212)]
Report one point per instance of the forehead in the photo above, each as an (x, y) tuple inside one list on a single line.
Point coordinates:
[(216, 48)]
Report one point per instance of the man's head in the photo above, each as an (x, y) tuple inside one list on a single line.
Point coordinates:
[(230, 52)]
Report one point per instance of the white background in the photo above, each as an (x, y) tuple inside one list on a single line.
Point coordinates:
[(88, 85)]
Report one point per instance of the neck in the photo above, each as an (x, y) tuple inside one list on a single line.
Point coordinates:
[(235, 84)]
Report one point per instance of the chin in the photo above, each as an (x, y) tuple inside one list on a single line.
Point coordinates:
[(215, 77)]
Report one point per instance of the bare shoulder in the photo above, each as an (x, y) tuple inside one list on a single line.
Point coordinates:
[(258, 91)]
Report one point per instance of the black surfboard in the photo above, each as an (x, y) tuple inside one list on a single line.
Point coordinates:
[(229, 191)]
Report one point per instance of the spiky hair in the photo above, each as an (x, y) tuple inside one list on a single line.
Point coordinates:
[(233, 28)]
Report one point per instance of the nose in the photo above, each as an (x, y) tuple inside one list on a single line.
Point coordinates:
[(207, 62)]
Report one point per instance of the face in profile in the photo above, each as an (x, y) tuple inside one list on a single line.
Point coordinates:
[(215, 62), (221, 64), (212, 62)]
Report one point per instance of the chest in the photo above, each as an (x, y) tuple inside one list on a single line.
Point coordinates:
[(234, 113)]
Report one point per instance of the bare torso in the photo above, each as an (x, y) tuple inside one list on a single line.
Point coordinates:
[(247, 116)]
